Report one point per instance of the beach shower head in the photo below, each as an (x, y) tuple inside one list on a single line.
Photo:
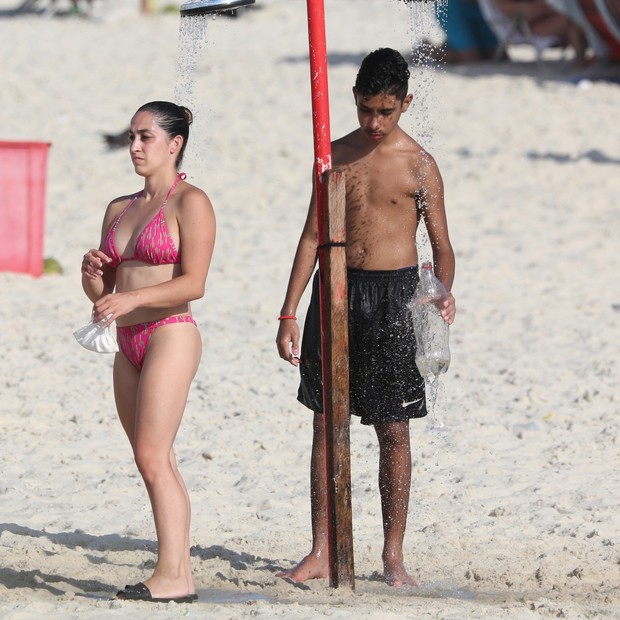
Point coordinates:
[(205, 7)]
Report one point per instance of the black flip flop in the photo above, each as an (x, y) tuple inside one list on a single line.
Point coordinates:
[(139, 592)]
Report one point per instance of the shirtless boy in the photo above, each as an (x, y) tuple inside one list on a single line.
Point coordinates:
[(391, 182)]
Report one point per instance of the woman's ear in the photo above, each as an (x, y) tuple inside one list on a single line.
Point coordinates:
[(175, 144)]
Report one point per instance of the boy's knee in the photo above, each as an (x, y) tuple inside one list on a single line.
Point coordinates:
[(393, 433)]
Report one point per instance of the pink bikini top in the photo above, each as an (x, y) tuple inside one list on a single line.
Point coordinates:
[(154, 245)]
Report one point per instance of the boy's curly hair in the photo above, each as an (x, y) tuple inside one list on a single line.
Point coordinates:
[(383, 71)]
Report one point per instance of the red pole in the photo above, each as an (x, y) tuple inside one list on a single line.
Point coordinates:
[(320, 99)]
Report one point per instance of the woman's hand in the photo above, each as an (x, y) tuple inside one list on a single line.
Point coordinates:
[(93, 263), (114, 305)]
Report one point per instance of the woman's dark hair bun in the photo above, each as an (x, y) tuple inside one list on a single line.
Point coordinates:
[(188, 114)]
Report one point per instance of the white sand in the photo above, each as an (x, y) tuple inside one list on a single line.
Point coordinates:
[(514, 506)]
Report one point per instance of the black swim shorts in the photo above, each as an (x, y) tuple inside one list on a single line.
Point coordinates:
[(384, 382)]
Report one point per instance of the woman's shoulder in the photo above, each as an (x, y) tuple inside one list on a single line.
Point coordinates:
[(194, 208), (119, 203), (193, 197), (117, 206), (114, 209)]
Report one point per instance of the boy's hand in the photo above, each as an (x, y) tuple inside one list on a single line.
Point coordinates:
[(448, 311), (288, 341)]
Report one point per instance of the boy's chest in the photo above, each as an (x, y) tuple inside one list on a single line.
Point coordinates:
[(371, 185)]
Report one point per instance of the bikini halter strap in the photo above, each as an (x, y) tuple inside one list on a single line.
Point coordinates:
[(180, 177)]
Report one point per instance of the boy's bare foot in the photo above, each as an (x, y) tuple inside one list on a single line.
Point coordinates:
[(312, 566), (395, 574)]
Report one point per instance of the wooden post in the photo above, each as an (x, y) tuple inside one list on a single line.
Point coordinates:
[(333, 265), (330, 199)]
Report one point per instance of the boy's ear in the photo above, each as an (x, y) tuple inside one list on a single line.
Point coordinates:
[(406, 102), (354, 91)]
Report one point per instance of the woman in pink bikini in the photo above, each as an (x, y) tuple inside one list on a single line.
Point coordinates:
[(153, 260)]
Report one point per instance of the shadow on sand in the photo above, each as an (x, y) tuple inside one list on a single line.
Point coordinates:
[(59, 584)]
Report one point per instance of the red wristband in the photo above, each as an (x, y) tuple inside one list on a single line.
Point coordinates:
[(286, 317)]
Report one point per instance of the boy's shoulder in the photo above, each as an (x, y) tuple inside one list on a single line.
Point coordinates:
[(400, 144), (412, 148)]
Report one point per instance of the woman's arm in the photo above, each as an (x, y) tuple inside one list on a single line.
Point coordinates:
[(97, 278)]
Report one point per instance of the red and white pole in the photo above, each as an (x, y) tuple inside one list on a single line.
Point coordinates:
[(320, 96)]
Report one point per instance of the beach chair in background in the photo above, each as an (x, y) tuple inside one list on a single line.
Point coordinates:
[(600, 20), (28, 6), (50, 7), (45, 7), (514, 30)]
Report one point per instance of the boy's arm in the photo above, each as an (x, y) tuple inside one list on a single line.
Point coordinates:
[(434, 213), (303, 266)]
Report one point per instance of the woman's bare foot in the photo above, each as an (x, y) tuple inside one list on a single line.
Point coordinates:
[(313, 566)]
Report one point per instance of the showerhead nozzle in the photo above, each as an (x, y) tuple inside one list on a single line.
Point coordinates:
[(204, 7)]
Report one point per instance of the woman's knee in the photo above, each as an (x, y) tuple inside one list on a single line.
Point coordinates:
[(150, 463)]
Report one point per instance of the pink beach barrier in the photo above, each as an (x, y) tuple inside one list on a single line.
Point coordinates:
[(23, 168)]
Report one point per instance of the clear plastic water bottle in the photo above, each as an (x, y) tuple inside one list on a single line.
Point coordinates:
[(431, 331)]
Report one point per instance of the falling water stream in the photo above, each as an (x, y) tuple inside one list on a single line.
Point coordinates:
[(192, 44), (424, 67), (423, 28)]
